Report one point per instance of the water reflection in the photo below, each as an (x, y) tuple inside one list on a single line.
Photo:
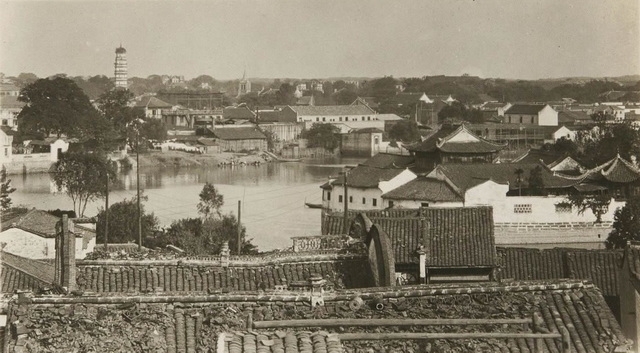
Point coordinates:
[(272, 195), (264, 175)]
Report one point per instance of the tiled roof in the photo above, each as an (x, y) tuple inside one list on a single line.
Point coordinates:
[(11, 216), (193, 324), (460, 237), (12, 279), (332, 223), (492, 106), (632, 254), (570, 116), (304, 100), (534, 155), (424, 189), (151, 102), (122, 276), (452, 237), (366, 130), (119, 247), (388, 117), (441, 140), (238, 113), (290, 342), (19, 273), (207, 141), (364, 176), (466, 176), (616, 170), (38, 222), (10, 102), (599, 266), (238, 133), (9, 87), (369, 101), (332, 110), (527, 109), (389, 160), (431, 143), (270, 116)]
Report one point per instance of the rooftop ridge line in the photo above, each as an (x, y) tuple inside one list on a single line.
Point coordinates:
[(233, 262), (385, 292)]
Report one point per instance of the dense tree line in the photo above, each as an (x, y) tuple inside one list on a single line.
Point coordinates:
[(204, 235)]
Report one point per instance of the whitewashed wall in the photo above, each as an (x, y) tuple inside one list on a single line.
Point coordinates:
[(32, 246)]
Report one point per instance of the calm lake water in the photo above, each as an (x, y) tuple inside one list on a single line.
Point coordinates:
[(272, 195)]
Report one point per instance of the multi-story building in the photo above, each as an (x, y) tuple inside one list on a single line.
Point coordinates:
[(345, 117), (367, 183), (532, 114), (10, 107), (121, 68), (152, 106)]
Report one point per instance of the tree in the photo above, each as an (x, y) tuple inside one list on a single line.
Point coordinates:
[(405, 131), (153, 129), (123, 222), (626, 225), (210, 201), (322, 135), (384, 87), (271, 136), (26, 78), (114, 105), (598, 203), (198, 236), (536, 183), (622, 139), (225, 230), (55, 106), (344, 97), (5, 190), (474, 116), (202, 81), (456, 110), (519, 172), (83, 177), (563, 146), (285, 94)]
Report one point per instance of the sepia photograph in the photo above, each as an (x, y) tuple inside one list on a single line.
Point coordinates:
[(306, 176)]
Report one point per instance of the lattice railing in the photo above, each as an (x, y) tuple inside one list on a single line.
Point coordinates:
[(320, 242)]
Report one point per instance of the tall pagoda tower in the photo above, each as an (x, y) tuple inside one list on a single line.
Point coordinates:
[(121, 67)]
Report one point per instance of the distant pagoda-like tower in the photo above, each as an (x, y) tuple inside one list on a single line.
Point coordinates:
[(121, 67)]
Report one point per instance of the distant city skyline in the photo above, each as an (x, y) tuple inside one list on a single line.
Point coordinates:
[(295, 39)]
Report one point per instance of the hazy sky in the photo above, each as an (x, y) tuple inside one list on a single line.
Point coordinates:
[(324, 38)]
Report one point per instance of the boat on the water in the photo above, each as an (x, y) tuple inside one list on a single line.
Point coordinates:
[(289, 159), (313, 205)]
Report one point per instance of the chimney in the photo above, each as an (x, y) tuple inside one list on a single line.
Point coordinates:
[(67, 252), (317, 284), (225, 253)]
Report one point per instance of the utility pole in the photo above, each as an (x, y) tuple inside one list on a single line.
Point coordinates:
[(345, 226), (138, 187), (239, 246), (106, 213)]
